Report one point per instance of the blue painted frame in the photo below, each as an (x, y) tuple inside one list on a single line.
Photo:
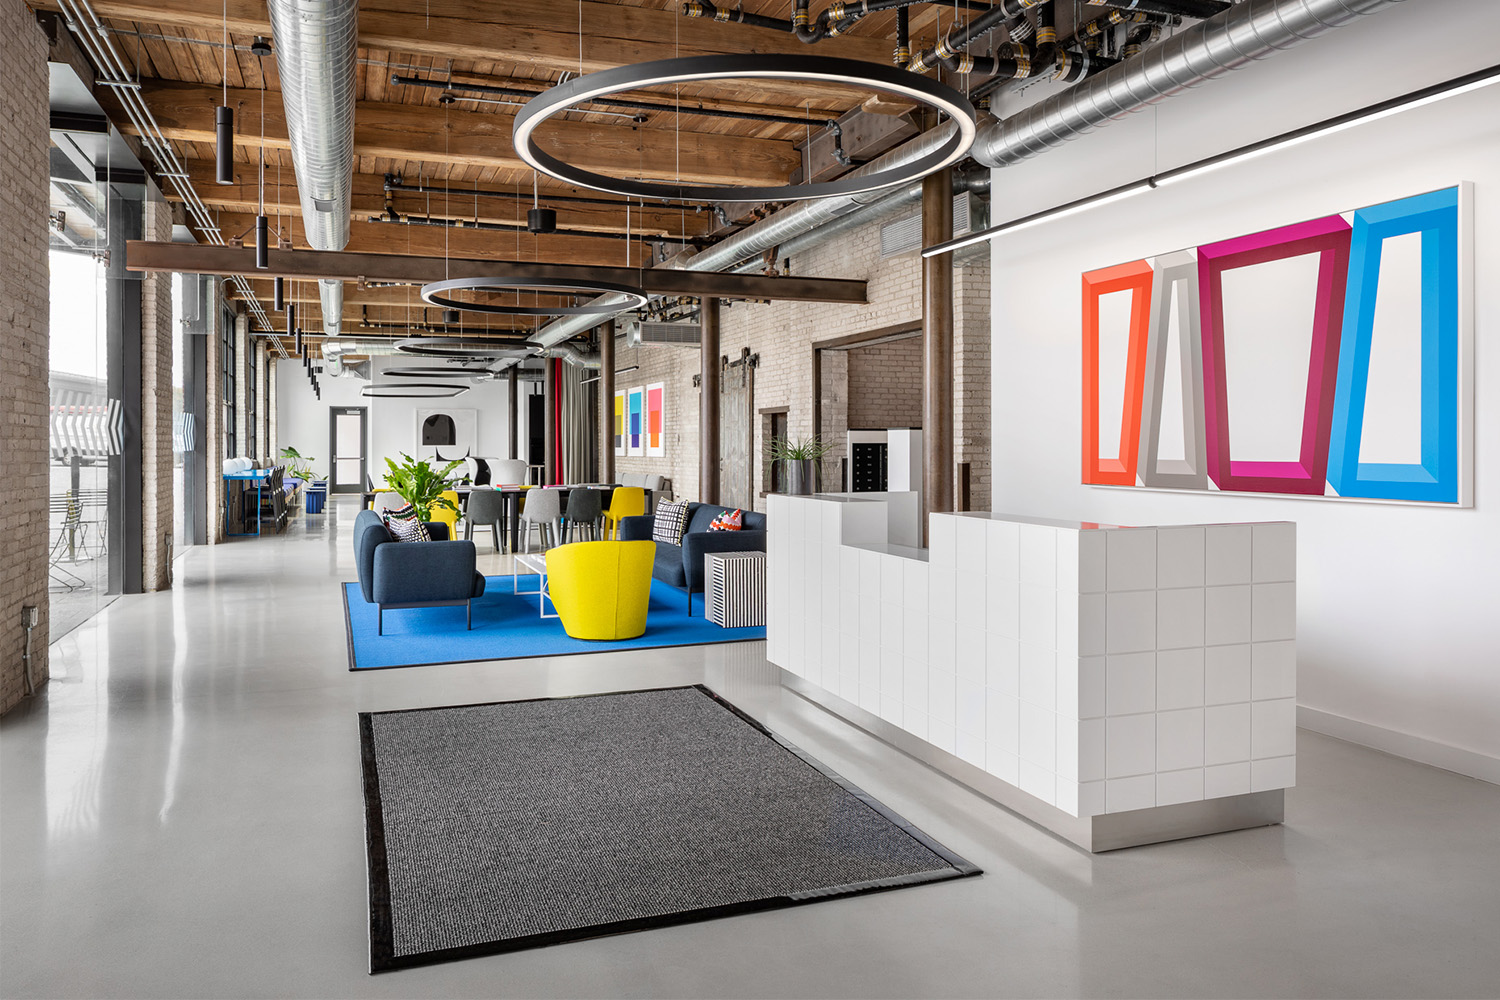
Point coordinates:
[(1436, 478)]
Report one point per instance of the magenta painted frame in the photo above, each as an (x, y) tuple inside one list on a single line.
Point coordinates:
[(1329, 238)]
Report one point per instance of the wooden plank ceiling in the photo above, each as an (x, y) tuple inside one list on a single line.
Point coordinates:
[(458, 147)]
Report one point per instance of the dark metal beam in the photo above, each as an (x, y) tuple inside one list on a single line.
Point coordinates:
[(708, 405), (190, 257), (937, 348)]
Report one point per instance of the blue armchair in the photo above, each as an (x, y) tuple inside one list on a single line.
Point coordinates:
[(392, 574), (682, 565)]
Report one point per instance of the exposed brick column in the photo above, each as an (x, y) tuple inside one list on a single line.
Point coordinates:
[(971, 370), (25, 308), (156, 410)]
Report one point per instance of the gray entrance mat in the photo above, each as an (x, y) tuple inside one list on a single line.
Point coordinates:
[(511, 825)]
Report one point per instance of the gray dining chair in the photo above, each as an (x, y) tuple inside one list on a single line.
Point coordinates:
[(507, 472), (486, 510), (585, 510), (542, 509)]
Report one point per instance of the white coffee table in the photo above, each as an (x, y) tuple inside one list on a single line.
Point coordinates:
[(537, 563)]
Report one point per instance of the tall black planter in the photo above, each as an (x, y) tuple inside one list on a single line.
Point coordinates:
[(801, 476)]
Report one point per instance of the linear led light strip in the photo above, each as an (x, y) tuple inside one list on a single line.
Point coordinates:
[(1374, 112), (91, 32)]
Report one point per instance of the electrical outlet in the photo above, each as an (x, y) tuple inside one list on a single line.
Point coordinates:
[(30, 616)]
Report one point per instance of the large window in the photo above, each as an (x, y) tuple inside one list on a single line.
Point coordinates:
[(252, 383), (227, 382)]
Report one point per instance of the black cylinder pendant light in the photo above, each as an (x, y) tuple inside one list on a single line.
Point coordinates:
[(262, 243), (451, 317), (278, 294), (224, 144), (541, 220)]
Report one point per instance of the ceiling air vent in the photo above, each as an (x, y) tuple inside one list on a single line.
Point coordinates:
[(670, 334), (904, 236)]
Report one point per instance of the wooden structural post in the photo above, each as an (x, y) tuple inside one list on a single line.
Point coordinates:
[(708, 405), (607, 401), (549, 432), (515, 411), (937, 348)]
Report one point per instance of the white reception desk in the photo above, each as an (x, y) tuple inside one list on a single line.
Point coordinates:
[(1117, 685)]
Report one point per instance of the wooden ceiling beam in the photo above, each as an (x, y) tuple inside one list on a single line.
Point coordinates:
[(439, 242), (369, 199), (185, 112), (190, 258), (522, 31)]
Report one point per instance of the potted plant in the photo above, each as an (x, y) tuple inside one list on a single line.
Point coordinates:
[(419, 484), (800, 462), (298, 465)]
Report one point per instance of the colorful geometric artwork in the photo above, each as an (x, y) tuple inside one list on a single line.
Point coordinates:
[(1328, 358), (620, 422), (1329, 239), (656, 441), (1134, 278), (1174, 296), (635, 429), (1435, 477)]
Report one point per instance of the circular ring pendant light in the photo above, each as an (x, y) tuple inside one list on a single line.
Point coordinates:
[(459, 350), (436, 293), (413, 390), (695, 69), (483, 374)]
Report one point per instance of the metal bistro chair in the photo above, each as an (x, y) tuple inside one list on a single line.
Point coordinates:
[(486, 510), (585, 509), (543, 509)]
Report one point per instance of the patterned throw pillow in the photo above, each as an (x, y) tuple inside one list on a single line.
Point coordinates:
[(727, 521), (670, 522), (405, 525)]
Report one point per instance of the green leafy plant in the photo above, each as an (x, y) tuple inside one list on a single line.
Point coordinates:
[(787, 449), (298, 464), (419, 484)]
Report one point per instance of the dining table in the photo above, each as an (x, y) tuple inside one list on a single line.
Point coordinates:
[(511, 500)]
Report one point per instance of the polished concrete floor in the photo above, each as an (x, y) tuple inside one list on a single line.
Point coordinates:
[(180, 815)]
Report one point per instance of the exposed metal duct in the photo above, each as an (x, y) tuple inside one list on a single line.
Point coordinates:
[(316, 59), (775, 231), (574, 355), (1246, 32)]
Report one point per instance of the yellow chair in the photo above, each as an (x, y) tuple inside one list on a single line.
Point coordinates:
[(441, 514), (601, 589), (628, 501)]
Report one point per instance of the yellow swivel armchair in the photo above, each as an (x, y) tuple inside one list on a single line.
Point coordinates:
[(627, 501), (443, 515), (601, 589)]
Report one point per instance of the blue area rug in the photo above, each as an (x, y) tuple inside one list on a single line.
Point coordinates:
[(506, 627)]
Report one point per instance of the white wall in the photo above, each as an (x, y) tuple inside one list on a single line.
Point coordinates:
[(1399, 606), (302, 418), (393, 422)]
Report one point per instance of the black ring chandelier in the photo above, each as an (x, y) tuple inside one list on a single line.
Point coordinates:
[(413, 390), (694, 69), (433, 293), (455, 373), (458, 350)]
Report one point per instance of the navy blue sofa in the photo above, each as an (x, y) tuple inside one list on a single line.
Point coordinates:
[(393, 574), (682, 565)]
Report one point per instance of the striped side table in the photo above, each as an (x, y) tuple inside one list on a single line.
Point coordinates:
[(736, 588)]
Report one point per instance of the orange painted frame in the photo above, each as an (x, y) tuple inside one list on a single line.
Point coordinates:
[(1134, 277)]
